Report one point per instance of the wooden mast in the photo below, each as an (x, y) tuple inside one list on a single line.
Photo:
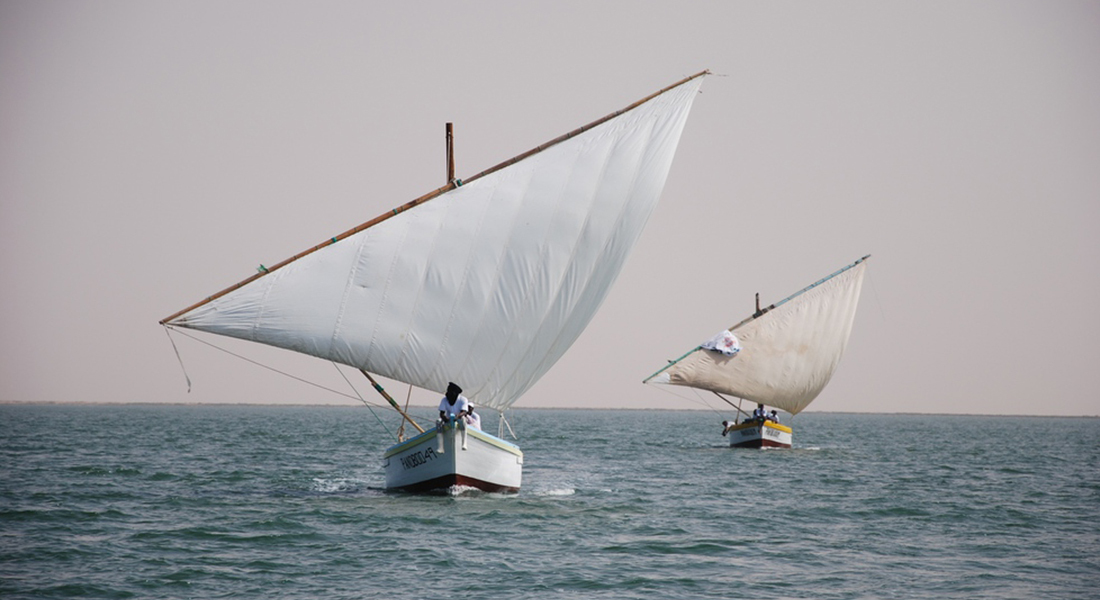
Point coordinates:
[(429, 196), (377, 387), (728, 401), (450, 153)]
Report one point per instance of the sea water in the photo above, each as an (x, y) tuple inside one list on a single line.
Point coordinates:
[(151, 501)]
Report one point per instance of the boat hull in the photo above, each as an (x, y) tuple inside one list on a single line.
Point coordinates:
[(488, 463), (768, 434)]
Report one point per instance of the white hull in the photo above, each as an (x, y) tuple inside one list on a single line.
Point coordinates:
[(756, 435), (488, 463)]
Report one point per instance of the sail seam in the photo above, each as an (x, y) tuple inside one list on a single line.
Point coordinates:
[(789, 358), (384, 297), (564, 274), (427, 197), (753, 318), (440, 358), (628, 196), (802, 291), (349, 288), (491, 401)]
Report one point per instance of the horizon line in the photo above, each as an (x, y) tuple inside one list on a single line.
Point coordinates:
[(428, 406)]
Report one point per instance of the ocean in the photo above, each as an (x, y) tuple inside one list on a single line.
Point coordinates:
[(154, 501)]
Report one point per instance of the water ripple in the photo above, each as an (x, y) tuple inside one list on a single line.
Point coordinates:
[(257, 502)]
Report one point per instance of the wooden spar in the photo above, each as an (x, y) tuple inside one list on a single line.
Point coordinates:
[(450, 153), (392, 402), (770, 307), (583, 129), (727, 400), (329, 242), (451, 184), (401, 430)]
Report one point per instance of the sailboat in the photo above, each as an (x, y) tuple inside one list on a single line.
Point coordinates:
[(485, 282), (781, 356)]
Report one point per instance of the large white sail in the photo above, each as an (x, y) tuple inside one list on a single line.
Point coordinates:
[(788, 353), (488, 283)]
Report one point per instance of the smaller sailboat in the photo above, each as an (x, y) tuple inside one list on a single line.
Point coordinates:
[(782, 357)]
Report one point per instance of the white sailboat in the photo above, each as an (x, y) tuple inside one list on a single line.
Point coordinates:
[(486, 282), (782, 356)]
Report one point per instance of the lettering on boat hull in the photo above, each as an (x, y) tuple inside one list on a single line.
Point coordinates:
[(754, 435), (418, 458)]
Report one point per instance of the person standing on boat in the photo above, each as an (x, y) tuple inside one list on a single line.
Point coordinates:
[(759, 414), (472, 418), (453, 406)]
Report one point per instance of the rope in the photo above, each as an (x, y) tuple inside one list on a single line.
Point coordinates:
[(508, 425), (401, 429), (258, 364), (363, 400), (168, 331), (699, 398)]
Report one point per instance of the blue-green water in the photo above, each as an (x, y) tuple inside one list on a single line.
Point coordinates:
[(285, 502)]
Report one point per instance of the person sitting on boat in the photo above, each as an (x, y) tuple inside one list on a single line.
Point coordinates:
[(773, 416), (759, 414), (453, 406), (472, 418), (728, 425)]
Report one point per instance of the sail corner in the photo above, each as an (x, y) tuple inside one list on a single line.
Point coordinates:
[(660, 378)]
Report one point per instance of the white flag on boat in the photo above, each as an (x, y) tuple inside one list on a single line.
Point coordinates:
[(725, 342)]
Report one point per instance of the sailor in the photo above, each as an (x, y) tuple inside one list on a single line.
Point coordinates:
[(453, 406), (773, 416), (759, 414), (728, 425), (473, 419)]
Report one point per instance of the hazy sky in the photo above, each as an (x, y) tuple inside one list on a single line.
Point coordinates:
[(152, 153)]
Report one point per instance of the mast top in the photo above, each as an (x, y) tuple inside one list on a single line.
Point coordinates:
[(450, 153)]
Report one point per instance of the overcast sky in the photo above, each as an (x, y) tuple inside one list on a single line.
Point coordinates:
[(152, 153)]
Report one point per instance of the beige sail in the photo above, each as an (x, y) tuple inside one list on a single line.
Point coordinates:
[(787, 353)]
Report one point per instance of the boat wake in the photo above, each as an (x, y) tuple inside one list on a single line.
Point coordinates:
[(465, 490), (336, 486), (557, 492)]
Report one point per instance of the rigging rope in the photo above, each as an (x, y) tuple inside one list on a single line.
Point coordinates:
[(699, 398), (168, 331), (508, 425), (363, 400), (401, 429), (259, 364)]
